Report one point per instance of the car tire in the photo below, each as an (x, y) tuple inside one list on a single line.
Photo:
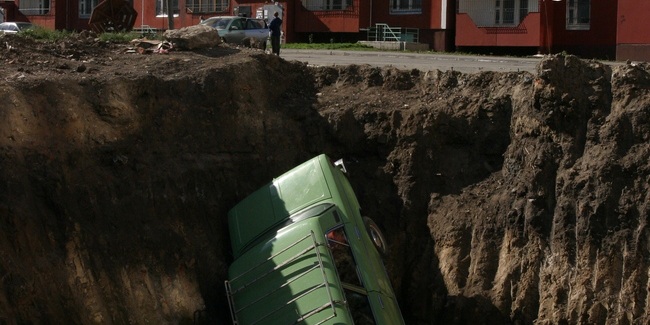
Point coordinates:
[(376, 235)]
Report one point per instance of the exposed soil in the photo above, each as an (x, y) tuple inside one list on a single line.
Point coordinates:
[(506, 197)]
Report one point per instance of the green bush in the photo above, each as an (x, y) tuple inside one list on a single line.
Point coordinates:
[(44, 34), (119, 37)]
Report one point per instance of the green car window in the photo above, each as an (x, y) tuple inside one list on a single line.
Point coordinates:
[(355, 294)]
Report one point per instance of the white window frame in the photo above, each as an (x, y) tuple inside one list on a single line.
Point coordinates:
[(574, 21), (160, 8), (207, 6), (322, 5), (86, 7), (518, 11), (34, 7), (399, 7), (500, 10), (523, 10)]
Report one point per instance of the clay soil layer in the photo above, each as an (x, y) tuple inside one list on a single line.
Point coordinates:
[(506, 198)]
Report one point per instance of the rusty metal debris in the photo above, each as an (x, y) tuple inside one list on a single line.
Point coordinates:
[(145, 46), (113, 16)]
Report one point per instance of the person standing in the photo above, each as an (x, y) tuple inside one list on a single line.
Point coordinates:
[(275, 27)]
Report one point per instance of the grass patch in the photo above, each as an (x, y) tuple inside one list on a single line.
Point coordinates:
[(40, 33), (44, 34), (119, 37)]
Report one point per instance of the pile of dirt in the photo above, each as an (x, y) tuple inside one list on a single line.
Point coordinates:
[(506, 197)]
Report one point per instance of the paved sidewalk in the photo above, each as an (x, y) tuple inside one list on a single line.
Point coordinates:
[(409, 60)]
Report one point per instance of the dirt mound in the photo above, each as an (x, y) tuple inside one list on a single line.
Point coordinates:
[(506, 197)]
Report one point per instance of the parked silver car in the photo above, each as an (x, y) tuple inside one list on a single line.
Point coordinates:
[(240, 30), (14, 27)]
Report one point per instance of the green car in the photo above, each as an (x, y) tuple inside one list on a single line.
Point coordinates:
[(305, 255)]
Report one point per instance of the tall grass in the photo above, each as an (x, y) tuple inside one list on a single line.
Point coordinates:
[(119, 37), (40, 33), (44, 34)]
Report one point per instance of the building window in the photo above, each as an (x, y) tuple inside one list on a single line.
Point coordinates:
[(510, 12), (86, 7), (206, 6), (405, 6), (161, 8), (578, 14), (316, 5), (497, 13), (504, 12), (34, 7), (523, 9)]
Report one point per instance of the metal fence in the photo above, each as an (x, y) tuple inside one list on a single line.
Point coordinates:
[(385, 33)]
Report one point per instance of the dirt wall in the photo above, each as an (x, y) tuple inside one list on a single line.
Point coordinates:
[(505, 197)]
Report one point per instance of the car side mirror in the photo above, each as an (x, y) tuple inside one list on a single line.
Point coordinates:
[(339, 163), (233, 27)]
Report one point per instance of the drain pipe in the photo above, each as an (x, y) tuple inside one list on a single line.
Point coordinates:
[(141, 13)]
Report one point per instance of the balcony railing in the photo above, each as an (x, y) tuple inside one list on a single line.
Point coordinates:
[(385, 33)]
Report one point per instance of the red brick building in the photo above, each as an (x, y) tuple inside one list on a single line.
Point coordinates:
[(632, 36), (609, 29), (52, 14), (583, 27), (352, 20)]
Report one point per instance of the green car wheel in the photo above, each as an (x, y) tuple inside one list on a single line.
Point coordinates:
[(376, 235)]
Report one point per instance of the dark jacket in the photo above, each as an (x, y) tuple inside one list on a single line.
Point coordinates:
[(274, 26)]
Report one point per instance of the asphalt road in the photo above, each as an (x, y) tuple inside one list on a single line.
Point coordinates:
[(407, 60)]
